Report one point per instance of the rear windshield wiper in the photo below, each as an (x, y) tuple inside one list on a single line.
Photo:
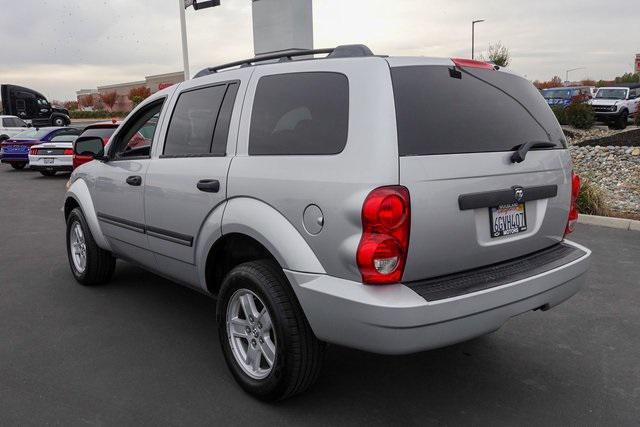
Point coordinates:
[(523, 149)]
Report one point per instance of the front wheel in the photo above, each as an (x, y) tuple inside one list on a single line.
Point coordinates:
[(266, 340), (90, 264), (622, 120), (59, 121), (18, 165)]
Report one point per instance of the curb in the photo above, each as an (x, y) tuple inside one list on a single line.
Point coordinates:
[(605, 221)]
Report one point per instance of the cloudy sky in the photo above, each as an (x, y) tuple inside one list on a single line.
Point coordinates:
[(58, 47)]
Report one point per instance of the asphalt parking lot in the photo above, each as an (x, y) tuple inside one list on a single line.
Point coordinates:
[(142, 350)]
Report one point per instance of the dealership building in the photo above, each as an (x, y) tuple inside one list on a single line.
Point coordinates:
[(154, 83)]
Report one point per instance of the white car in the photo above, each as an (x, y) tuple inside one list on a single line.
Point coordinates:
[(51, 157), (11, 125), (616, 105)]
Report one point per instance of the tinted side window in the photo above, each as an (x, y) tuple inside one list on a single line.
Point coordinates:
[(300, 113), (483, 111), (193, 121)]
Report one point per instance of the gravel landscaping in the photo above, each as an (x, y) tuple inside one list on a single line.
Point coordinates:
[(611, 160)]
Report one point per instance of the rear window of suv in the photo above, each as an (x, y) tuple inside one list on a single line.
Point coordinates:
[(300, 114), (483, 111)]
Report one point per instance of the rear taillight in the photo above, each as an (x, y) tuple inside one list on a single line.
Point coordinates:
[(573, 207), (470, 63), (386, 220), (68, 152), (33, 151)]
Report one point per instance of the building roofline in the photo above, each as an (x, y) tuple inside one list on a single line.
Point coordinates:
[(155, 76), (116, 85)]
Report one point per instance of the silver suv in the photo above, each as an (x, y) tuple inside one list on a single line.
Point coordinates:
[(392, 205)]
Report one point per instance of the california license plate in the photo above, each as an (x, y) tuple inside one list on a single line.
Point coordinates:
[(506, 220), (49, 161)]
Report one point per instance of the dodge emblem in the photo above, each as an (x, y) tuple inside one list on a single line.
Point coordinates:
[(518, 194)]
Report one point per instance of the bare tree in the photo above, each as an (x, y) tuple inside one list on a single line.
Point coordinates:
[(109, 99)]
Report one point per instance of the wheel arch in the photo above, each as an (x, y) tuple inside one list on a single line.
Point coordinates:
[(78, 196), (253, 230)]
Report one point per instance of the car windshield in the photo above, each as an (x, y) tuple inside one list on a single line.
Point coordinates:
[(556, 93), (611, 94), (35, 134)]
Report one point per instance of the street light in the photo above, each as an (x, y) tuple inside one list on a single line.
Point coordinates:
[(566, 76), (197, 5), (473, 35)]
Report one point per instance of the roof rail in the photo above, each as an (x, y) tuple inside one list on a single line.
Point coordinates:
[(344, 51)]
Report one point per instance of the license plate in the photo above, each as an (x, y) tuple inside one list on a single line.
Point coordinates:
[(506, 220), (48, 161)]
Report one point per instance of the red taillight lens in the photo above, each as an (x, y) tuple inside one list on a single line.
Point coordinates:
[(68, 151), (471, 63), (386, 220), (33, 151), (573, 208)]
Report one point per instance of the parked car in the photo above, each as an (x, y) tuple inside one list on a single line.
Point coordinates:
[(51, 157), (337, 200), (15, 150), (615, 105), (102, 130), (565, 96), (32, 106), (11, 125)]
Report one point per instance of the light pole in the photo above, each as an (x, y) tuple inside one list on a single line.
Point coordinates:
[(197, 5), (473, 35), (566, 76)]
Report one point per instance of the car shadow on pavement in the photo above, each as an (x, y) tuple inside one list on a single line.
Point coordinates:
[(497, 372)]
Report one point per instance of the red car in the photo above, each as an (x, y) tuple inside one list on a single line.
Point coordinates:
[(103, 130)]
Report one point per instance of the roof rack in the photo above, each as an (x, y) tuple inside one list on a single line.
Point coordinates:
[(344, 51)]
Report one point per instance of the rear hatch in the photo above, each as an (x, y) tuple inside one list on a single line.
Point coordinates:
[(471, 205)]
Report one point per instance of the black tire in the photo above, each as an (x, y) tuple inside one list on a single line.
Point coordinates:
[(4, 137), (100, 264), (48, 173), (18, 165), (622, 120), (299, 354), (58, 121)]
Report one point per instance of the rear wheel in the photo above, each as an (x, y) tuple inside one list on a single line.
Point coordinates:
[(4, 137), (266, 340), (48, 173), (18, 165), (90, 264)]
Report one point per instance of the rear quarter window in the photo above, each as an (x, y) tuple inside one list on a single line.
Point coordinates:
[(483, 111), (300, 114)]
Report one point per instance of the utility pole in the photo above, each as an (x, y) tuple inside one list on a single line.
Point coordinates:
[(473, 36), (182, 5), (197, 5)]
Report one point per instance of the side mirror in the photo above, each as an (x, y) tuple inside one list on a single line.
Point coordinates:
[(29, 125), (90, 146)]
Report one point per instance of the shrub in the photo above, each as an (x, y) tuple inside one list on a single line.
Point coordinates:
[(637, 119), (580, 116), (591, 200), (561, 114)]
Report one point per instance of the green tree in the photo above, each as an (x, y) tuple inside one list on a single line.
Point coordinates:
[(498, 54)]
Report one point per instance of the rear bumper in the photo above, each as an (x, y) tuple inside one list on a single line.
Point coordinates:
[(14, 158), (60, 163), (394, 319)]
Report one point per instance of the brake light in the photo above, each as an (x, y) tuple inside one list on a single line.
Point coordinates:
[(33, 151), (386, 219), (68, 152), (573, 208), (471, 63)]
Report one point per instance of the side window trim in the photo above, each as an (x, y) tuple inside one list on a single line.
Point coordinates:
[(116, 140), (227, 84)]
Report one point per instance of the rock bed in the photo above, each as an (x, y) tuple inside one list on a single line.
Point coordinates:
[(613, 168)]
